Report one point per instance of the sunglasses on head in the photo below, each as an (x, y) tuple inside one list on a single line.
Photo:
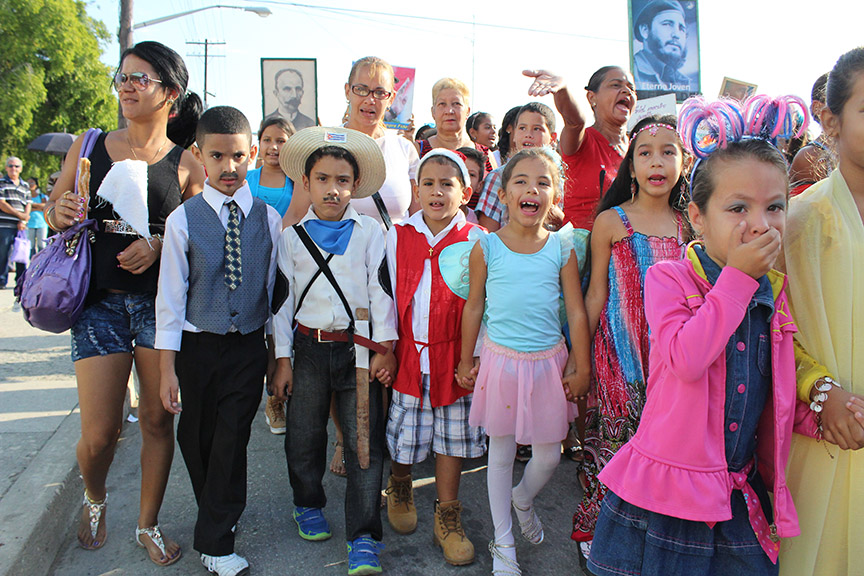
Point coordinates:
[(364, 91), (140, 80)]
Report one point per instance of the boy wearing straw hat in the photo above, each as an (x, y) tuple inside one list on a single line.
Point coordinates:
[(216, 278), (328, 289)]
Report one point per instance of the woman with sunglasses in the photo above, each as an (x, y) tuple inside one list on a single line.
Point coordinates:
[(119, 321), (369, 92)]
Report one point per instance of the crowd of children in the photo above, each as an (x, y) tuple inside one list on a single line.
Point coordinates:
[(710, 378)]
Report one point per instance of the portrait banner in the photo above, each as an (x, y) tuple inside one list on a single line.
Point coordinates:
[(664, 47), (736, 89), (289, 88)]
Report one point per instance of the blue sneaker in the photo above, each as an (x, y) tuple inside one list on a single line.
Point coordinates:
[(311, 523), (363, 556)]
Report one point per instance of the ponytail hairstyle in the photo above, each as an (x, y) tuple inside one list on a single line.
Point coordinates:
[(171, 70), (725, 130), (504, 132), (621, 189)]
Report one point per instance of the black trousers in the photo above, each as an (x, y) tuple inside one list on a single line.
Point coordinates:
[(221, 379)]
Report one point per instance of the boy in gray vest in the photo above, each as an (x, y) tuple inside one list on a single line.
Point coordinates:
[(215, 284)]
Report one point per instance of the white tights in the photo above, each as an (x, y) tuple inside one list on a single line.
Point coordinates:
[(499, 482)]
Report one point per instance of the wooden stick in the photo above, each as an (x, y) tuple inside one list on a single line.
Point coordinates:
[(363, 417)]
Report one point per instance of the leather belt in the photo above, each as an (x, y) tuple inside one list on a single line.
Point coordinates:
[(341, 336)]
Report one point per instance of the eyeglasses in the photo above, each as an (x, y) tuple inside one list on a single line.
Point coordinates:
[(364, 91), (13, 166), (140, 80)]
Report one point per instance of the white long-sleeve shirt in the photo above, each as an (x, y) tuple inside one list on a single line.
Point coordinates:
[(174, 268), (356, 271)]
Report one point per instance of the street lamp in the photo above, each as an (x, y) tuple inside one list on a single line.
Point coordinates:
[(260, 11)]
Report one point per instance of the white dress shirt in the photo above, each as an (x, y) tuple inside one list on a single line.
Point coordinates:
[(423, 296), (356, 271), (174, 269)]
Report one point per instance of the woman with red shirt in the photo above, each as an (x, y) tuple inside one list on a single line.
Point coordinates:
[(591, 154)]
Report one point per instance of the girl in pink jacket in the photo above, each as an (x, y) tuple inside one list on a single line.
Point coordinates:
[(688, 494)]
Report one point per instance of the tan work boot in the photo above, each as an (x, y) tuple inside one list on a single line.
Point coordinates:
[(401, 512), (449, 534), (274, 413)]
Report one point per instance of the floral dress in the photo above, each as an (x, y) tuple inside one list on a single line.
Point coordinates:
[(620, 361)]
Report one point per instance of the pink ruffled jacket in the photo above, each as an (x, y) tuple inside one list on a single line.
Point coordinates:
[(676, 463)]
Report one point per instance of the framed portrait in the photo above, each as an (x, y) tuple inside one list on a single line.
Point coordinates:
[(664, 47), (289, 88), (736, 89)]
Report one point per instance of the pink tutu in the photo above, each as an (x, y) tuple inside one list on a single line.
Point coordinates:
[(521, 394)]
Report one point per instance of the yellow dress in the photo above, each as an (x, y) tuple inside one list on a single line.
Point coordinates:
[(824, 251)]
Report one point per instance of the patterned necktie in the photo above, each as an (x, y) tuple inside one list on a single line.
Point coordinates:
[(233, 264)]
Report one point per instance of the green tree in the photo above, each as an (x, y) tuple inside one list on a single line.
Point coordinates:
[(51, 76)]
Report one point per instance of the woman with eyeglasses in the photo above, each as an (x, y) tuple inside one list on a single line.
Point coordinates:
[(369, 92), (119, 320)]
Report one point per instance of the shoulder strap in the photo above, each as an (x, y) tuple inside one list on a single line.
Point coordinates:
[(325, 269), (308, 286), (624, 219), (382, 210)]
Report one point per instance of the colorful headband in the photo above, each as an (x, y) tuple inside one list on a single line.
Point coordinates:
[(456, 157), (706, 126), (653, 128), (771, 118)]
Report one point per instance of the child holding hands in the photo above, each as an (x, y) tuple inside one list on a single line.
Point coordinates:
[(429, 411), (331, 311), (519, 393), (688, 494)]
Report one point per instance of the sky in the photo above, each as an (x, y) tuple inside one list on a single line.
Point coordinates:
[(781, 45)]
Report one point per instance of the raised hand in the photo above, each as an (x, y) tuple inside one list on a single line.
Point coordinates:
[(545, 82)]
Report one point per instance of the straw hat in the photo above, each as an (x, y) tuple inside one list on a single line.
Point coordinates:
[(365, 150)]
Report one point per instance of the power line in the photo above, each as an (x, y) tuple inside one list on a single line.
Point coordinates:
[(433, 19)]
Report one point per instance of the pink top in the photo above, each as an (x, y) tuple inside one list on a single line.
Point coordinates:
[(676, 462)]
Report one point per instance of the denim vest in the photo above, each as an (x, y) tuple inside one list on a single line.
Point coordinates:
[(210, 305)]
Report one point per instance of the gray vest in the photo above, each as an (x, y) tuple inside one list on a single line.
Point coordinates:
[(210, 305)]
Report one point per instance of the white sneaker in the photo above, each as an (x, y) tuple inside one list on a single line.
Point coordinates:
[(231, 565)]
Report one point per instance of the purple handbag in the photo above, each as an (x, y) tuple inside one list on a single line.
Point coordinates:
[(53, 289), (20, 253)]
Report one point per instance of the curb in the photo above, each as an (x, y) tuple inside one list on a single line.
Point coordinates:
[(36, 511)]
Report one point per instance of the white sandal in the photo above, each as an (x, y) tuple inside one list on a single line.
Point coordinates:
[(532, 529), (155, 535), (94, 512), (511, 567)]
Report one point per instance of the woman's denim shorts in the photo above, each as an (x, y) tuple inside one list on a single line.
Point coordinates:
[(115, 324)]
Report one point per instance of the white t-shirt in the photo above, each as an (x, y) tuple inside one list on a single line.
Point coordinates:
[(401, 160)]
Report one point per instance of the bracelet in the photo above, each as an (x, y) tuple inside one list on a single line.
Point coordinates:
[(48, 214), (823, 386)]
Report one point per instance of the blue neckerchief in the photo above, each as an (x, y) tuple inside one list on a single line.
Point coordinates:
[(332, 237)]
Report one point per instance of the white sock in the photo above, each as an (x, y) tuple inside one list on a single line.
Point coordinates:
[(538, 471)]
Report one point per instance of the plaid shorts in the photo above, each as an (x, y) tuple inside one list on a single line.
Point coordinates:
[(412, 430)]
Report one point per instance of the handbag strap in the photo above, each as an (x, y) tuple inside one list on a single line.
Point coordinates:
[(382, 210), (87, 145)]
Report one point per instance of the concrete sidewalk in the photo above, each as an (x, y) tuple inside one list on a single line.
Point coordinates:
[(39, 427)]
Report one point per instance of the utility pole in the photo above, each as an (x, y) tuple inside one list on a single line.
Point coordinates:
[(124, 37), (206, 43)]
